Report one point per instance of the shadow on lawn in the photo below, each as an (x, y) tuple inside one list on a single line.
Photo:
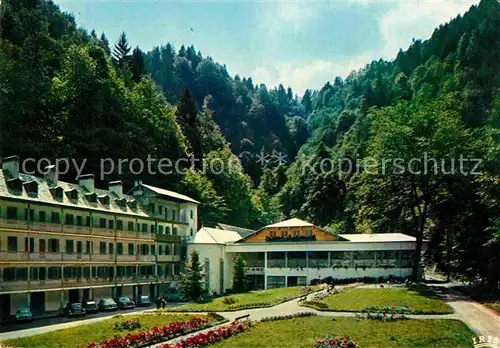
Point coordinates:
[(426, 291)]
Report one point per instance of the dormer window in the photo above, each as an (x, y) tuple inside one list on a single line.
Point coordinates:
[(31, 188), (57, 193), (132, 204), (72, 194), (104, 200), (91, 197), (15, 185), (121, 202)]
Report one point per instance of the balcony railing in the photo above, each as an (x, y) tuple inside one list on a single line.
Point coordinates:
[(46, 227), (126, 258), (318, 263), (103, 257), (15, 224), (147, 258), (103, 232), (276, 263), (14, 256), (76, 257), (168, 238)]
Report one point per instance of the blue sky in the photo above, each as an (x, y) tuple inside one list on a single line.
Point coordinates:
[(300, 44)]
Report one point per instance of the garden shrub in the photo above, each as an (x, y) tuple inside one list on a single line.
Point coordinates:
[(337, 342)]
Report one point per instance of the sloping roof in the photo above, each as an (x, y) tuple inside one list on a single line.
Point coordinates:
[(243, 232), (291, 223), (378, 237), (208, 235), (170, 194), (45, 196)]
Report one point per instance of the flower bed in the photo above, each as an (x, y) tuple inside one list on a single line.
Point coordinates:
[(155, 335), (315, 304), (203, 339), (337, 342), (289, 316), (388, 310), (128, 325), (381, 316)]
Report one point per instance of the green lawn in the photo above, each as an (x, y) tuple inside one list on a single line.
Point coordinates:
[(96, 332), (303, 332), (419, 300), (252, 299)]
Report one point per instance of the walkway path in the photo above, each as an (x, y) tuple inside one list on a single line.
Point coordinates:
[(480, 319), (292, 307)]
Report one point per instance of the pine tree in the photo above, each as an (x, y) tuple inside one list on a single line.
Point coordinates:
[(306, 101), (121, 50), (239, 274), (104, 43), (191, 278), (186, 115), (138, 66)]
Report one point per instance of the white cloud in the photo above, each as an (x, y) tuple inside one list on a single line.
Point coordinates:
[(283, 16), (405, 21), (417, 20), (313, 74)]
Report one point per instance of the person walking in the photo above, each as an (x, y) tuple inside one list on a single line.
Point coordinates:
[(158, 302)]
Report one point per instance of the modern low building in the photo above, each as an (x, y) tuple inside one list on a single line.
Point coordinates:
[(294, 252), (62, 242)]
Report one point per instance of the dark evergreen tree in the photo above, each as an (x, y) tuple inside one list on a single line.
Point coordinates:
[(138, 67), (121, 49), (239, 274), (191, 279)]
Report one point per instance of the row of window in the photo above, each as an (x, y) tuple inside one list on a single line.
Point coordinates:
[(70, 272), (52, 245), (285, 234), (87, 221), (163, 212)]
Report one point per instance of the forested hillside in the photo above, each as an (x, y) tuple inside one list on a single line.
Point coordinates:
[(67, 92), (440, 99), (252, 118)]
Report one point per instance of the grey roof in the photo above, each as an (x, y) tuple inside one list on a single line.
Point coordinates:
[(291, 223), (170, 194), (378, 237), (208, 235), (45, 195), (243, 232)]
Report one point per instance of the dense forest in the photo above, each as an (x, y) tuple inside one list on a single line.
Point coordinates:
[(69, 92)]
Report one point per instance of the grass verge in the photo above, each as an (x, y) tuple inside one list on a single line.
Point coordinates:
[(252, 299), (418, 299), (96, 332), (303, 332)]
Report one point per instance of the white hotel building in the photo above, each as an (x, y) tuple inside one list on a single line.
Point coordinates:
[(294, 252), (61, 242)]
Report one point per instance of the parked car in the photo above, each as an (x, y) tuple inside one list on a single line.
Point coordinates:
[(90, 306), (24, 314), (107, 304), (143, 301), (125, 302), (74, 310)]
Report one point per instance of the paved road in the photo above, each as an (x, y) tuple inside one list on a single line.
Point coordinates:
[(15, 330), (480, 319)]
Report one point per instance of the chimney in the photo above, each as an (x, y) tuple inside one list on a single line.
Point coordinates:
[(11, 165), (87, 182), (51, 175), (116, 187)]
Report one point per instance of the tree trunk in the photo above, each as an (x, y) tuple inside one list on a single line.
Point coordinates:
[(419, 240)]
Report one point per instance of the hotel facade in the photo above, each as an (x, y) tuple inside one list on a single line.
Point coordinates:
[(61, 242), (294, 252)]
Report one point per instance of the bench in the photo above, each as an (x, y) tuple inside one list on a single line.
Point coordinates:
[(246, 317)]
